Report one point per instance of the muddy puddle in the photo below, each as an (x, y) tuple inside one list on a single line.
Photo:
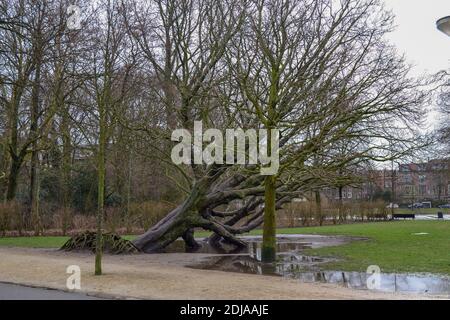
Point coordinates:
[(292, 263), (285, 243)]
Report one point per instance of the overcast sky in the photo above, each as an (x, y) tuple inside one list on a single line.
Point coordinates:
[(416, 36)]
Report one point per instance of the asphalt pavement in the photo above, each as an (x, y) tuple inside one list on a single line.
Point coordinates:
[(19, 292)]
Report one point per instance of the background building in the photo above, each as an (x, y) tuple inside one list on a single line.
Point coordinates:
[(411, 182)]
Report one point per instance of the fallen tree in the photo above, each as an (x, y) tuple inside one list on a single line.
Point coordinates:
[(319, 72)]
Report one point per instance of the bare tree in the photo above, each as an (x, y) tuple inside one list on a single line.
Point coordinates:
[(320, 72), (111, 64)]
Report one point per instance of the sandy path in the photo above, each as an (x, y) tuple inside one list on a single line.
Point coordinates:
[(161, 276)]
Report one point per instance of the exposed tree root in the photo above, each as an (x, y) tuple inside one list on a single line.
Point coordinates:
[(112, 243)]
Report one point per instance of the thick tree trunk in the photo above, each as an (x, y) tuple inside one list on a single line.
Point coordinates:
[(174, 225), (181, 221), (268, 250), (13, 177), (189, 239), (16, 160)]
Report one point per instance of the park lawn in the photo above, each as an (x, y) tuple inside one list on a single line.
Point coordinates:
[(391, 245), (37, 242), (33, 242)]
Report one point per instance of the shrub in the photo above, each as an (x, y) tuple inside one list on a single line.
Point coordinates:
[(11, 217), (148, 213)]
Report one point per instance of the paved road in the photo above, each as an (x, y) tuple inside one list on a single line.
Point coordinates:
[(17, 292)]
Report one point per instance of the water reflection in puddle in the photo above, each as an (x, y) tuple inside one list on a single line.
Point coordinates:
[(291, 263), (388, 282), (286, 243)]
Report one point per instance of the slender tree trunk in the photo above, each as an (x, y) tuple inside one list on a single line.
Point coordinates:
[(4, 165), (65, 172), (268, 253), (34, 164), (319, 207), (101, 190), (34, 193), (341, 201), (128, 222)]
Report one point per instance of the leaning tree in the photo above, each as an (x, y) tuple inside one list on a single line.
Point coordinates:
[(320, 72)]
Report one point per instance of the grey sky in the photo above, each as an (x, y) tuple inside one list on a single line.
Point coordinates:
[(417, 37), (416, 34)]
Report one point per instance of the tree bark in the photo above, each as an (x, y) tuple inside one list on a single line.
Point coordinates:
[(101, 190), (189, 239), (34, 164), (268, 250), (65, 173), (13, 177), (319, 215), (173, 226)]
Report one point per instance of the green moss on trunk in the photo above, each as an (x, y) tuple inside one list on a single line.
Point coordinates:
[(268, 251)]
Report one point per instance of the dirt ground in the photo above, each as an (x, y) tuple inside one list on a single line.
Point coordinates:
[(162, 276)]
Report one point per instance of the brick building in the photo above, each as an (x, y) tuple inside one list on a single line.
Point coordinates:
[(424, 181), (411, 182)]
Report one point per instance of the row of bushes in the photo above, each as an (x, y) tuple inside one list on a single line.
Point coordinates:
[(15, 218)]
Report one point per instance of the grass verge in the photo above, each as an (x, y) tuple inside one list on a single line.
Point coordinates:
[(400, 246)]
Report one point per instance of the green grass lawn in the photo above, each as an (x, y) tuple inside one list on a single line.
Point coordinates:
[(392, 245), (33, 242), (37, 242)]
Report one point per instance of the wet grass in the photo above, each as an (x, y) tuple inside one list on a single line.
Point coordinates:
[(33, 242), (37, 242), (394, 246)]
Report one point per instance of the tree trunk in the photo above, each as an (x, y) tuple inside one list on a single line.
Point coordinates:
[(34, 193), (341, 202), (129, 181), (319, 208), (65, 173), (192, 213), (189, 239), (268, 251), (13, 176), (101, 190), (15, 159), (173, 226), (34, 164), (4, 165)]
